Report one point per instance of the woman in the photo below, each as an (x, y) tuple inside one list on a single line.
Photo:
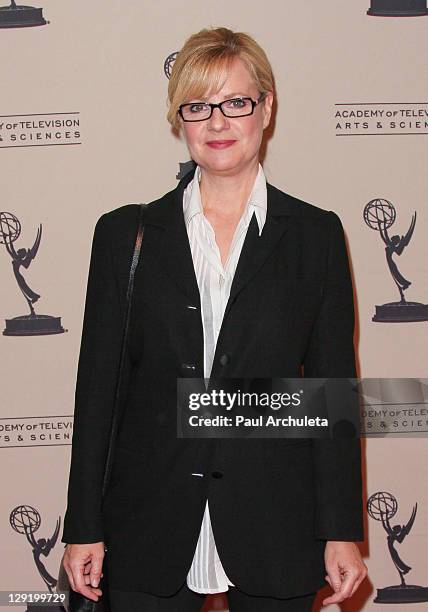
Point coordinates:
[(237, 279)]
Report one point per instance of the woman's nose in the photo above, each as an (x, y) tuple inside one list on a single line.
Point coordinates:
[(217, 119)]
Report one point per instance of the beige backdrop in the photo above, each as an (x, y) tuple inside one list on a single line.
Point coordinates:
[(103, 63)]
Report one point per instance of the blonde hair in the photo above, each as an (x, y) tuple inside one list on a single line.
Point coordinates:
[(201, 63)]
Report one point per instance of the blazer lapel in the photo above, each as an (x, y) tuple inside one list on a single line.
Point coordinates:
[(177, 261), (256, 249), (175, 255)]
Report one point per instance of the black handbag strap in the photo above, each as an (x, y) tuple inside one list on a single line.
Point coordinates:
[(115, 414)]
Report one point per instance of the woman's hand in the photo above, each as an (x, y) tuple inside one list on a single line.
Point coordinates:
[(83, 564), (345, 570)]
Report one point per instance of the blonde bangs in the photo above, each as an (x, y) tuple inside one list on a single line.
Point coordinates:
[(204, 76)]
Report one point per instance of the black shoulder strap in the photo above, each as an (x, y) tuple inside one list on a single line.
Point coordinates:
[(115, 414)]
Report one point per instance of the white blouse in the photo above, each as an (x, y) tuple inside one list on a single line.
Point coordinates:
[(206, 574)]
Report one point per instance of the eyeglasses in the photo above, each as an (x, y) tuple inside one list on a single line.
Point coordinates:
[(235, 107)]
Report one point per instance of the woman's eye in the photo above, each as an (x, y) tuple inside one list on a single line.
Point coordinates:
[(236, 103), (197, 108)]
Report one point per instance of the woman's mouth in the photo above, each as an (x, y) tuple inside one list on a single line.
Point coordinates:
[(220, 144)]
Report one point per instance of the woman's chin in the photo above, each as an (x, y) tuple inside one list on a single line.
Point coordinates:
[(221, 164)]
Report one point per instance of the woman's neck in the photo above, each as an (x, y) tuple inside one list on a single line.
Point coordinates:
[(227, 194)]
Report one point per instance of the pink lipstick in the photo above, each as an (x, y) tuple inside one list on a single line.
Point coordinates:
[(220, 144)]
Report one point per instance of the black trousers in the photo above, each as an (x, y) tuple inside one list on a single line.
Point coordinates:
[(186, 600)]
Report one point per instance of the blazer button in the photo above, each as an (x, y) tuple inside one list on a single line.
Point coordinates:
[(188, 366), (224, 359), (217, 474), (190, 307)]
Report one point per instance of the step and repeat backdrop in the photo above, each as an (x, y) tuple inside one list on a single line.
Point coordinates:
[(83, 130)]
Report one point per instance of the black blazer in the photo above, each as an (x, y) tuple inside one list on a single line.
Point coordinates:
[(278, 500)]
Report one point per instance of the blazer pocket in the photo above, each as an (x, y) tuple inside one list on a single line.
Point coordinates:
[(128, 466)]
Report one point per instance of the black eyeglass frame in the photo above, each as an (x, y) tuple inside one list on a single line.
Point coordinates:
[(219, 105)]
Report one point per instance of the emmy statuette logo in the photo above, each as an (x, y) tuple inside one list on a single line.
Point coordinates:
[(17, 16), (382, 506), (167, 65), (398, 8), (32, 324), (379, 215), (26, 520)]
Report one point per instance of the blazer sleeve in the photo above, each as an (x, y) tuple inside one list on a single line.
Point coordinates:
[(330, 354), (94, 394)]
